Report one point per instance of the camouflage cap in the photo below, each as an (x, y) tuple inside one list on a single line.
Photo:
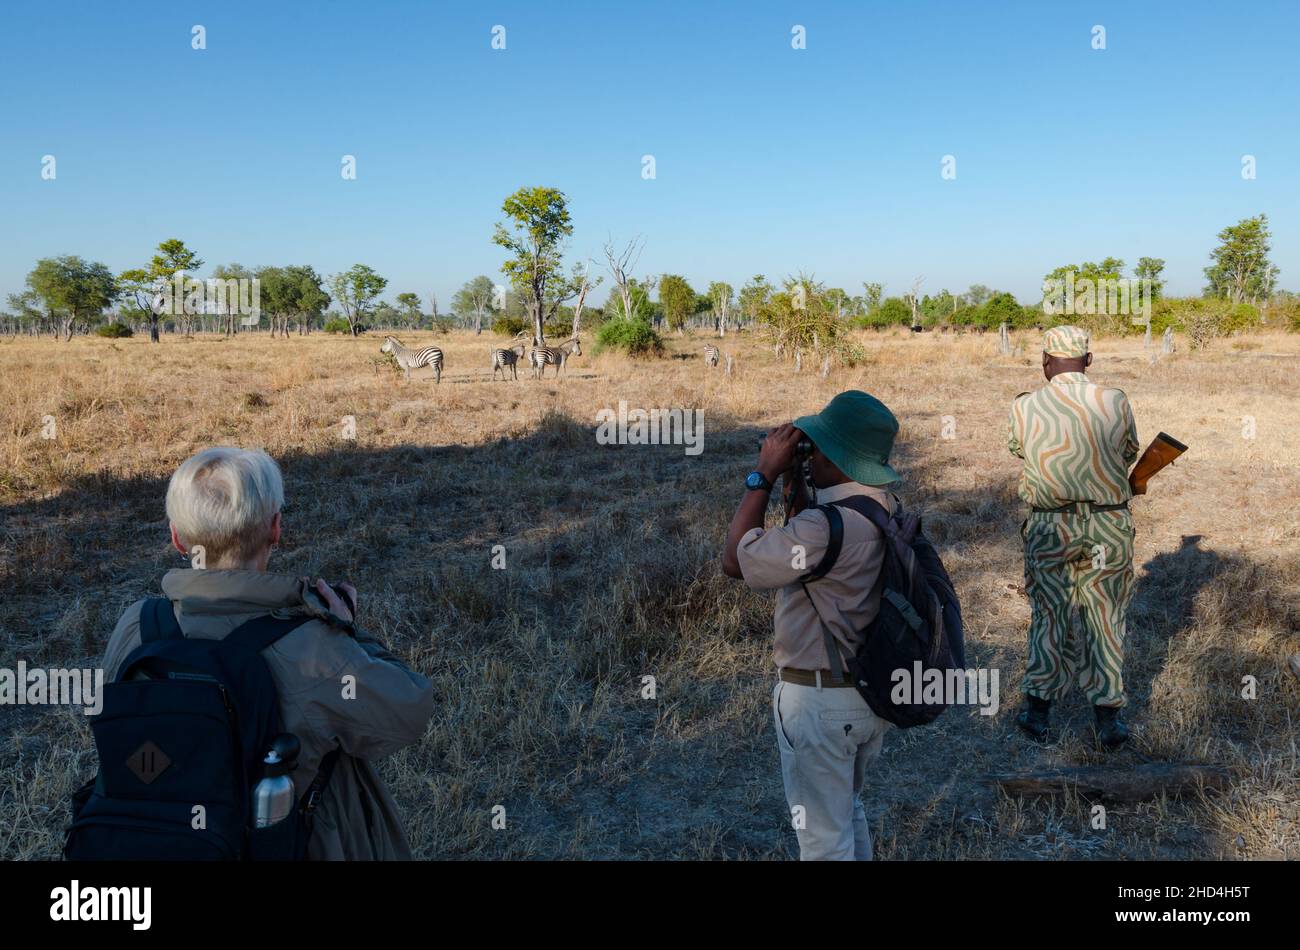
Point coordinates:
[(1068, 342)]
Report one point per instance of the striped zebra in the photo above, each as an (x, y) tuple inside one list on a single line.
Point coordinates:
[(503, 359), (711, 355), (557, 356), (410, 359)]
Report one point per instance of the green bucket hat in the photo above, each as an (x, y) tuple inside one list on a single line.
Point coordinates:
[(856, 432)]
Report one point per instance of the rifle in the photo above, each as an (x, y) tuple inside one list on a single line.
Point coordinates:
[(1162, 451)]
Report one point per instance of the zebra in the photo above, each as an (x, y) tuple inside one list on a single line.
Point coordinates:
[(507, 358), (410, 359), (711, 355), (557, 356)]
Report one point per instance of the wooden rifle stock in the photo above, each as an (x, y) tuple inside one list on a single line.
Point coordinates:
[(1163, 450)]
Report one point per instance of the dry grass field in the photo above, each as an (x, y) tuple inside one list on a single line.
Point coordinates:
[(612, 575)]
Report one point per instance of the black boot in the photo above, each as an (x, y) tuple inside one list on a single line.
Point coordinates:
[(1033, 718), (1111, 731)]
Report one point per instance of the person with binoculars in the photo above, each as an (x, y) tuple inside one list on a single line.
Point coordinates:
[(826, 733)]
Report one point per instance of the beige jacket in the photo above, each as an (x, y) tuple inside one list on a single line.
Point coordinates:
[(846, 598), (390, 705)]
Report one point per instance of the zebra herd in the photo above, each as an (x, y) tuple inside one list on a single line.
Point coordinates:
[(503, 358)]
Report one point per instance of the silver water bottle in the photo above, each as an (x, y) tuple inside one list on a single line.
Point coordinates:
[(273, 797)]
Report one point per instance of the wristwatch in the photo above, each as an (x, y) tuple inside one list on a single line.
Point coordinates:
[(757, 481)]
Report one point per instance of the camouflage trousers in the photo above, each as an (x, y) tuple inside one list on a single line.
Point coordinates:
[(1085, 561)]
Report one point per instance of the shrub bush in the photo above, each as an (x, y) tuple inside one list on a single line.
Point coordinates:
[(1203, 319), (337, 326), (508, 326), (633, 337), (115, 331)]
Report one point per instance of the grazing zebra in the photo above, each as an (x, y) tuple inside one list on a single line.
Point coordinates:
[(711, 355), (410, 359), (557, 356), (507, 358)]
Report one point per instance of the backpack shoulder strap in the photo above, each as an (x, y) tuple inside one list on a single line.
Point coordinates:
[(259, 633), (833, 544), (869, 508), (158, 621)]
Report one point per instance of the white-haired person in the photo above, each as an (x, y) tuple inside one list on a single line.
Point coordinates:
[(224, 507)]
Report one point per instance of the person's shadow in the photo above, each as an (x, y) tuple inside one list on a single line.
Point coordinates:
[(1164, 608)]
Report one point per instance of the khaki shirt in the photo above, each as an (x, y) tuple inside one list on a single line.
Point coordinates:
[(846, 597), (1078, 440), (357, 818)]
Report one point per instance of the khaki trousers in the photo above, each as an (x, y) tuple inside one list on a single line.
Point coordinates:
[(827, 738)]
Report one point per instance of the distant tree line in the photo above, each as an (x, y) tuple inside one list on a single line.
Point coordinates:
[(69, 295)]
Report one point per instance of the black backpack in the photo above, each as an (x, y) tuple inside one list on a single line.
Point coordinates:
[(181, 749), (919, 619)]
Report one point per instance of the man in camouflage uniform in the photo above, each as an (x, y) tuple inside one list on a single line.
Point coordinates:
[(1077, 440)]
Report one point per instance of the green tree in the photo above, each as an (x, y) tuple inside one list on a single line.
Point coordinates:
[(225, 273), (25, 312), (893, 311), (295, 292), (539, 225), (1240, 269), (355, 290), (754, 296), (72, 290), (871, 296), (408, 305), (144, 284), (677, 299), (475, 299), (720, 295), (1150, 268), (312, 297)]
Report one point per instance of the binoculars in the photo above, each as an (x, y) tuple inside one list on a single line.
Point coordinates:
[(802, 449)]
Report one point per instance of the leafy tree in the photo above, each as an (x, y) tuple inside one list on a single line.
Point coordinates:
[(893, 311), (720, 295), (539, 225), (355, 290), (938, 309), (25, 312), (72, 290), (475, 298), (408, 305), (293, 292), (229, 272), (803, 316), (142, 284), (754, 296), (638, 299), (1150, 268), (677, 299), (871, 294), (1239, 267)]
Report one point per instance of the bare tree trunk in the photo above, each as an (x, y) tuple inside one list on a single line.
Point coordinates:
[(577, 308)]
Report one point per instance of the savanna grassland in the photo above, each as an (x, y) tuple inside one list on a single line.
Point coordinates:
[(613, 575)]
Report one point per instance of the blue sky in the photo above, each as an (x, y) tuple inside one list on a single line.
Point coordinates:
[(768, 159)]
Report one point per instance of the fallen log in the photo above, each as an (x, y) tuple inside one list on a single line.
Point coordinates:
[(1133, 784)]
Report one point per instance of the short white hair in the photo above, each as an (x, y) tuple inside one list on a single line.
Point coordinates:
[(223, 499)]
